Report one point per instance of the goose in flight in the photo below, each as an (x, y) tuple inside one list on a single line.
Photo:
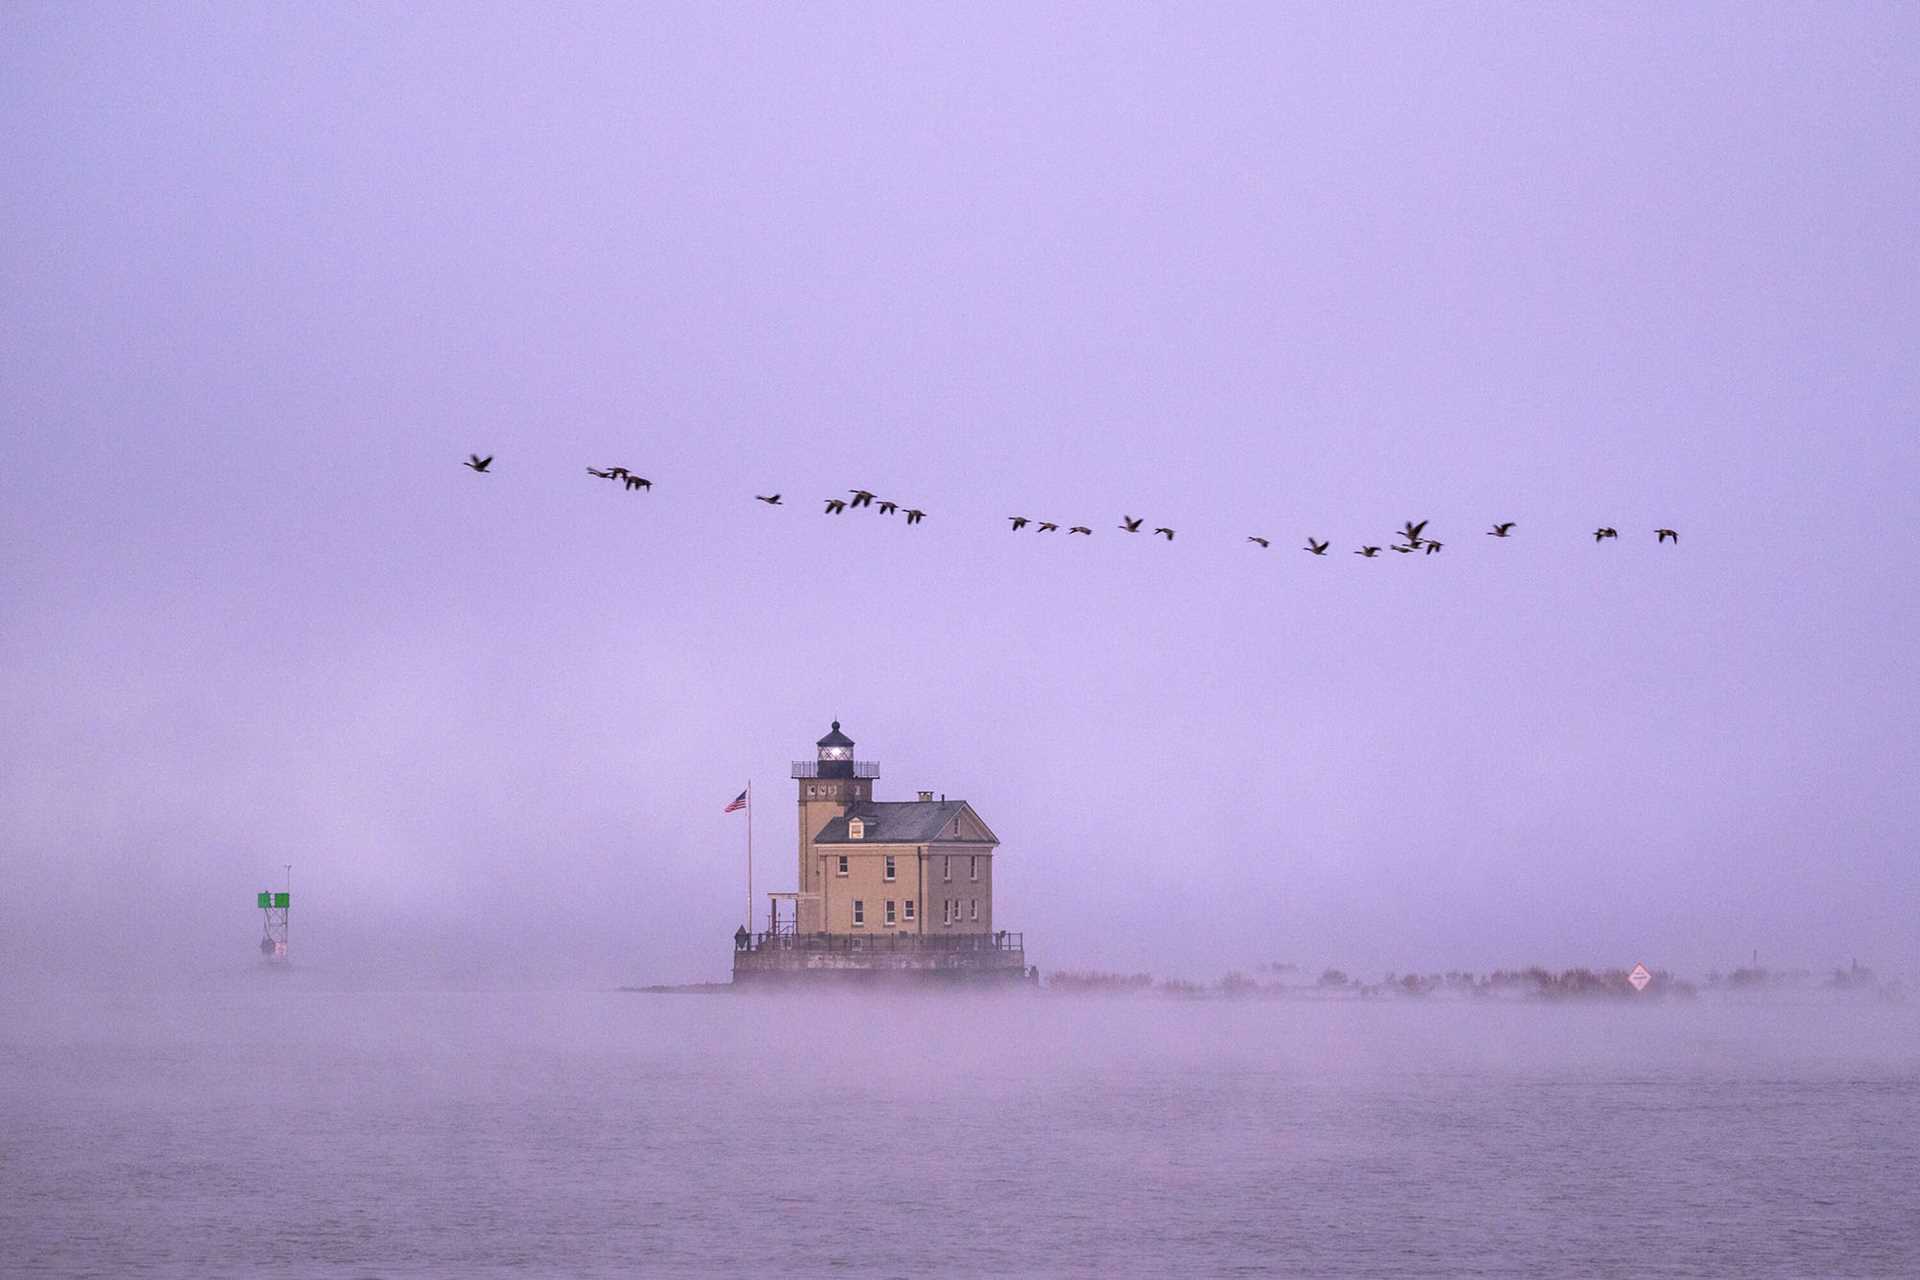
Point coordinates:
[(1318, 548), (1046, 526), (1604, 532), (888, 508), (771, 499), (637, 482), (1368, 552), (1663, 535), (915, 517), (1165, 530), (1433, 546), (1080, 528), (835, 506), (1131, 523), (1019, 522), (861, 498), (1412, 532), (477, 462), (1403, 548), (1264, 542), (1501, 530), (604, 475)]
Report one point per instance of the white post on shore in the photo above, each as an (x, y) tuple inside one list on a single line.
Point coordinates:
[(749, 858)]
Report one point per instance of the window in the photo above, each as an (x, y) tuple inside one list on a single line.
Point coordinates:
[(946, 867), (946, 911), (889, 866), (859, 913), (973, 866), (973, 908), (909, 910), (843, 864), (812, 789), (889, 913), (856, 829)]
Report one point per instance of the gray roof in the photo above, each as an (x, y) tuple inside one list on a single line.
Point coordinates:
[(897, 822), (835, 738)]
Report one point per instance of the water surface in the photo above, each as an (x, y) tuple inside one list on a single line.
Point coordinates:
[(276, 1127)]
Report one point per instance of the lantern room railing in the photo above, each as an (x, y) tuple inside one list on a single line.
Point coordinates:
[(861, 768)]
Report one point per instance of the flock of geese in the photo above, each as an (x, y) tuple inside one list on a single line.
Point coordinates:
[(860, 498), (1411, 536)]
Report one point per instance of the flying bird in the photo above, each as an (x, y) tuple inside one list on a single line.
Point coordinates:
[(1046, 526), (888, 508), (637, 482), (1019, 522), (1662, 535), (1368, 552), (1433, 546), (1318, 548), (1131, 523), (1412, 532), (835, 506), (771, 499), (1501, 530), (1403, 549), (610, 473), (861, 498), (1262, 541), (1080, 528), (477, 462), (1604, 532), (915, 517), (604, 475), (1166, 531)]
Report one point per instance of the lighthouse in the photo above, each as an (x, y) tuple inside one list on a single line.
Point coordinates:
[(882, 886)]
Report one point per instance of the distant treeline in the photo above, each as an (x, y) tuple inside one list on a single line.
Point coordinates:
[(1536, 982)]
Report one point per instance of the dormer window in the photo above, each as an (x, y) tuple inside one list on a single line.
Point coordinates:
[(856, 829)]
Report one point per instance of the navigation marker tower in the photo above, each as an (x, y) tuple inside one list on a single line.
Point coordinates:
[(274, 907)]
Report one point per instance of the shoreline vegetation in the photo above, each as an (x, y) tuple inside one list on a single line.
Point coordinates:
[(1289, 981)]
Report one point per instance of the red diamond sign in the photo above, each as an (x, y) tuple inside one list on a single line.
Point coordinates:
[(1640, 977)]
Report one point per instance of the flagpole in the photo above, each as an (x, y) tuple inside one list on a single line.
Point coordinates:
[(749, 856)]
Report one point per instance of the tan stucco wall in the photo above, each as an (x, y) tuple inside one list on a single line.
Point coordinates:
[(917, 875), (820, 801), (866, 882), (961, 889)]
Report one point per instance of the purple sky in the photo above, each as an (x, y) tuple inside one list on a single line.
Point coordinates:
[(268, 273)]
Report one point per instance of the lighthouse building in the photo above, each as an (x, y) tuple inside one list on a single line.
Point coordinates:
[(883, 886)]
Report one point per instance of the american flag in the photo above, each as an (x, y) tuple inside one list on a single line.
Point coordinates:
[(739, 802)]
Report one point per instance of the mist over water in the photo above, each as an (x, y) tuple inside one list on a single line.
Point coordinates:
[(278, 1127)]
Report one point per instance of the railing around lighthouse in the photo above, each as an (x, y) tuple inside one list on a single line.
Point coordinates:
[(811, 768), (785, 938)]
